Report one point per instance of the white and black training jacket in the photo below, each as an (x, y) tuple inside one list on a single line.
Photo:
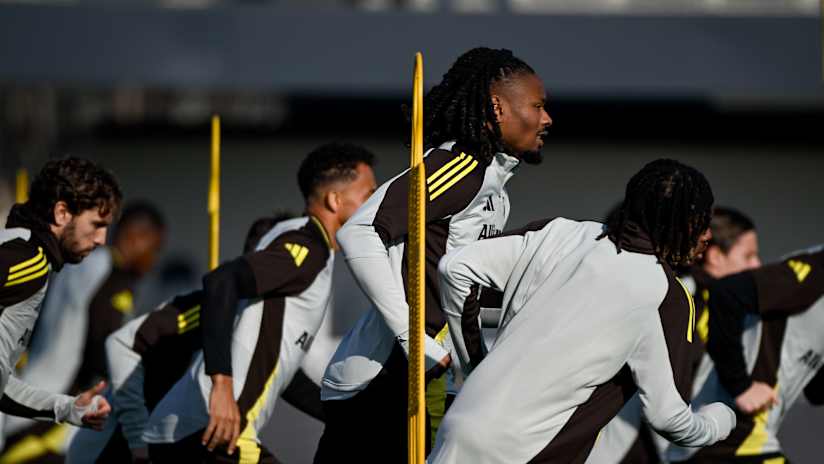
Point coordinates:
[(288, 287), (766, 325), (465, 201), (584, 327), (28, 253)]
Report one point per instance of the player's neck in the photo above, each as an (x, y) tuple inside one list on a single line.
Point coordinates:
[(328, 221)]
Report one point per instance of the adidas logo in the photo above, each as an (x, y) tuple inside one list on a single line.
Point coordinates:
[(800, 268), (298, 252), (489, 206)]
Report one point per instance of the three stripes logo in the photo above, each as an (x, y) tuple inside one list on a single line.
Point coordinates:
[(28, 270), (801, 269), (188, 320), (298, 252), (449, 174)]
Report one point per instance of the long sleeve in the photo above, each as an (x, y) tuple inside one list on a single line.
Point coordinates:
[(372, 269), (285, 267), (487, 263), (663, 405), (774, 291), (730, 300), (170, 333), (453, 181), (127, 374), (23, 400)]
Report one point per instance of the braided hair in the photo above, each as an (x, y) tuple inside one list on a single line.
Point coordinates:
[(672, 203), (460, 107)]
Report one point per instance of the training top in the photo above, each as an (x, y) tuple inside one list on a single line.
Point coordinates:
[(626, 439), (584, 327), (466, 201), (783, 351), (268, 338), (28, 252)]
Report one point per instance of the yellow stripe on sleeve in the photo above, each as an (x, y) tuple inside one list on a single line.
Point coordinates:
[(27, 263), (450, 174), (23, 280), (444, 168), (189, 312), (453, 181), (29, 270)]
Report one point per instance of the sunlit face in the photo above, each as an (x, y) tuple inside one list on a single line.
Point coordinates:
[(742, 256), (351, 195), (83, 233), (520, 106)]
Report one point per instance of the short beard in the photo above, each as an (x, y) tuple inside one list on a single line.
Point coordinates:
[(68, 244)]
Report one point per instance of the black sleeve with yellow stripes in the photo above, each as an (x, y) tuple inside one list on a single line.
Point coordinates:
[(24, 270), (453, 178), (286, 267), (179, 318)]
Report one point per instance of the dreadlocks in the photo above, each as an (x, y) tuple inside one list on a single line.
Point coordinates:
[(460, 107), (672, 203)]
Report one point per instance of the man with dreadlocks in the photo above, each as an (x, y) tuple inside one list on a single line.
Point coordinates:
[(592, 313), (482, 120)]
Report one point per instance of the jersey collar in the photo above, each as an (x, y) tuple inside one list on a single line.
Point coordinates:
[(321, 229)]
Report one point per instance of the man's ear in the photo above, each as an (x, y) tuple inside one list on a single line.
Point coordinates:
[(62, 215), (332, 200), (497, 107)]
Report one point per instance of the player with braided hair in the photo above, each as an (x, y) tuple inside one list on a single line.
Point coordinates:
[(482, 120), (674, 226), (464, 106), (592, 313)]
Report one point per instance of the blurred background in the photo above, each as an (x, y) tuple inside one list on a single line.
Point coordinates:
[(733, 87)]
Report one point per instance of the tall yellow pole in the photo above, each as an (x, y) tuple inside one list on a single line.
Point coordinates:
[(22, 186), (415, 284), (214, 195)]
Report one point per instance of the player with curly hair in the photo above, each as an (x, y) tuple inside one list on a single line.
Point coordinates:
[(71, 204)]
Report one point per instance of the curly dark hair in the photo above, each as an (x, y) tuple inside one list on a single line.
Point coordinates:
[(460, 107), (331, 162), (80, 183), (672, 203)]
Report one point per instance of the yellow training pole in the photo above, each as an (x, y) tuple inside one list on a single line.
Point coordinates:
[(214, 195), (22, 186), (415, 284)]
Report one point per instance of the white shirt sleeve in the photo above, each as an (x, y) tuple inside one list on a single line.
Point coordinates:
[(368, 260), (662, 405), (487, 263)]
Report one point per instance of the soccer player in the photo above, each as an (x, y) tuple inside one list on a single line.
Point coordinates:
[(252, 350), (733, 248), (593, 313), (70, 207), (766, 339), (482, 120), (85, 303)]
